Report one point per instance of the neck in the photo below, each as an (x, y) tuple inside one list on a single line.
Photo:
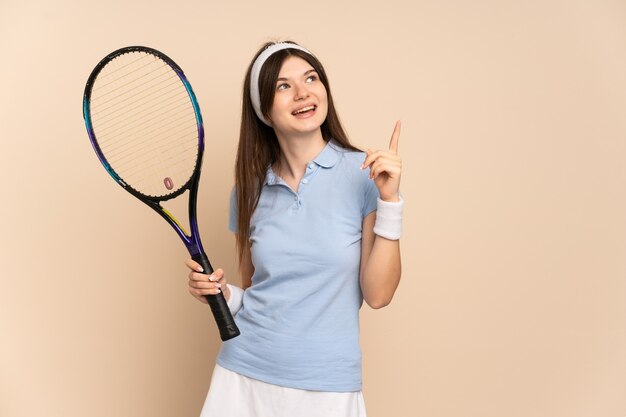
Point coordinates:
[(296, 152)]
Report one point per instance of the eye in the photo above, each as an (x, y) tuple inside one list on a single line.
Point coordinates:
[(282, 86), (311, 78)]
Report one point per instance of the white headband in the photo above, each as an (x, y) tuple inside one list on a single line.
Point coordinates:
[(256, 71)]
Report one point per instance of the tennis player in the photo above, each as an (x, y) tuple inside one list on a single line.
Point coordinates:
[(318, 224)]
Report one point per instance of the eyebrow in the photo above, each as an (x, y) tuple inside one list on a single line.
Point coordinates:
[(305, 74)]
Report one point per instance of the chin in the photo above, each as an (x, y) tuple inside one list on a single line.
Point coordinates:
[(300, 126), (308, 128)]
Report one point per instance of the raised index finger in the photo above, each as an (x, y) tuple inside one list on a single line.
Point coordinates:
[(395, 136)]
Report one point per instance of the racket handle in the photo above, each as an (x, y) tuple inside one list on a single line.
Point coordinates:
[(224, 319)]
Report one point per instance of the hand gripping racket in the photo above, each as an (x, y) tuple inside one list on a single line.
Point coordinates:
[(145, 125)]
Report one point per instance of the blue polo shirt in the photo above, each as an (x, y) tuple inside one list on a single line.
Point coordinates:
[(300, 318)]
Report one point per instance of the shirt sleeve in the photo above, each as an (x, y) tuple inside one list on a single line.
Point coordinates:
[(371, 195), (232, 212)]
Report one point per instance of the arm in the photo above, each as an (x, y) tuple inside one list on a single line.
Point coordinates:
[(380, 256), (380, 265)]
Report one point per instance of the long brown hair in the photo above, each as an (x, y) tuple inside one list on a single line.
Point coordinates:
[(258, 145)]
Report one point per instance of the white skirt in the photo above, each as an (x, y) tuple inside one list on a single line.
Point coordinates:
[(235, 395)]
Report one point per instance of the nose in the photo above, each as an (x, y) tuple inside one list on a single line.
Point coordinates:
[(301, 92)]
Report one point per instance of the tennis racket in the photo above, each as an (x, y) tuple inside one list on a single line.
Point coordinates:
[(145, 125)]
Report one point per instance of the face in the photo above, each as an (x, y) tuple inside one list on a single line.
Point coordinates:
[(300, 101)]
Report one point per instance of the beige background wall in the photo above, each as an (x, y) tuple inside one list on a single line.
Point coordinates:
[(512, 302)]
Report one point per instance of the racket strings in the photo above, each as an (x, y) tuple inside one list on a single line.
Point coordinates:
[(175, 163), (135, 153), (152, 112), (145, 123), (125, 73), (139, 57), (117, 136), (115, 102)]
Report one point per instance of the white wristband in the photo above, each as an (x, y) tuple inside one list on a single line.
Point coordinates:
[(389, 219), (235, 301)]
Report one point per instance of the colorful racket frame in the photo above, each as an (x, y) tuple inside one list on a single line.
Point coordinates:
[(191, 240)]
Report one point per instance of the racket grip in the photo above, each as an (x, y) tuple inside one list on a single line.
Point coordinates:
[(224, 319)]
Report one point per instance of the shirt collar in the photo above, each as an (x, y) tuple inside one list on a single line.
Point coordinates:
[(329, 155), (270, 177), (326, 159)]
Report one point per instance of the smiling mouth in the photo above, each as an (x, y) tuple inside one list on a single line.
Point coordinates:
[(304, 110)]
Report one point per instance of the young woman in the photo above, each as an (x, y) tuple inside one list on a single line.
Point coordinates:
[(318, 225)]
